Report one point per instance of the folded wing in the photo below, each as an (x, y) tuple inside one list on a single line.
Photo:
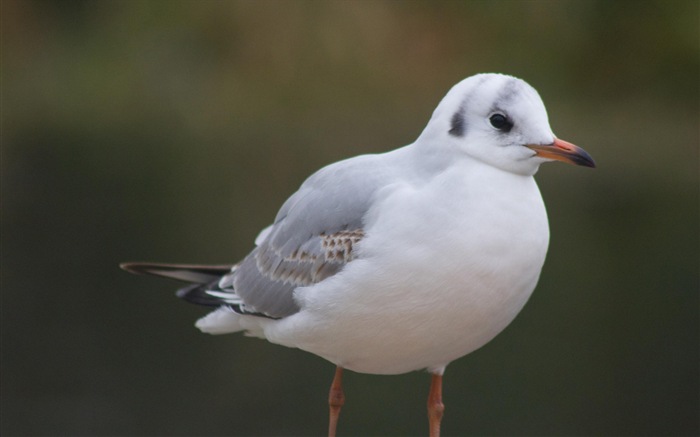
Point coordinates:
[(314, 236)]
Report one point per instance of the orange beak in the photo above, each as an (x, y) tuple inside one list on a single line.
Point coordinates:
[(561, 150)]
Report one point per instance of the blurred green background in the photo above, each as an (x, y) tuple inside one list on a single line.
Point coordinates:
[(173, 130)]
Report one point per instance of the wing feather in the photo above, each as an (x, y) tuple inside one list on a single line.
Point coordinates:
[(313, 237)]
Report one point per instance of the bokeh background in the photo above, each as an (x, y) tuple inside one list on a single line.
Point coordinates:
[(173, 130)]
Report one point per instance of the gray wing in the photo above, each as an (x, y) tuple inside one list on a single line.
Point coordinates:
[(312, 238)]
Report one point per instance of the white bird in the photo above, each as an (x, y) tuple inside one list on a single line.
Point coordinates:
[(405, 260)]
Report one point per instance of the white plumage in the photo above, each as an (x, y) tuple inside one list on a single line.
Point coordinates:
[(405, 260)]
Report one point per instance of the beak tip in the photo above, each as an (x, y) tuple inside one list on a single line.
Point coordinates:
[(586, 161), (561, 150)]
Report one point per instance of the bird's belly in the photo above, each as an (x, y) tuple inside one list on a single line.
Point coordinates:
[(406, 318)]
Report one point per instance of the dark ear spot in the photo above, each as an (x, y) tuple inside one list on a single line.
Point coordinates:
[(457, 125)]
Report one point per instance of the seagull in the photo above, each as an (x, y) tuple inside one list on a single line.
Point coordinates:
[(401, 261)]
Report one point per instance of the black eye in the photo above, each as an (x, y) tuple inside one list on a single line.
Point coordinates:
[(501, 122)]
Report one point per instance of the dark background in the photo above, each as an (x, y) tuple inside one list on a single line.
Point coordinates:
[(173, 130)]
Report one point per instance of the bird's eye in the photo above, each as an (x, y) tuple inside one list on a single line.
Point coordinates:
[(501, 122)]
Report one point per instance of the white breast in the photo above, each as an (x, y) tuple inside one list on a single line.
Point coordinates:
[(392, 312)]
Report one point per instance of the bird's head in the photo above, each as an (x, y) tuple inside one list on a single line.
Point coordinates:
[(501, 121)]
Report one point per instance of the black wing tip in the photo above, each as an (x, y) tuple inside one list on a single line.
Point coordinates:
[(238, 309), (197, 294), (137, 268), (158, 269)]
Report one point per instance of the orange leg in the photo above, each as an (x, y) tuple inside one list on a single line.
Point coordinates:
[(336, 399), (435, 406)]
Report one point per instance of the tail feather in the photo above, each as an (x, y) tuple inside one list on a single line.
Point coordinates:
[(221, 321)]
